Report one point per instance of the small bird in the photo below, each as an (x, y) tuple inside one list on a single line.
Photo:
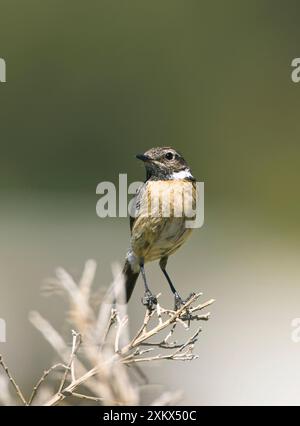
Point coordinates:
[(154, 235)]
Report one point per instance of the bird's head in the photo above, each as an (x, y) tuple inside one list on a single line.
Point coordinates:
[(165, 163)]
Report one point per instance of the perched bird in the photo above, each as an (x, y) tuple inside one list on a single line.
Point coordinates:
[(155, 235)]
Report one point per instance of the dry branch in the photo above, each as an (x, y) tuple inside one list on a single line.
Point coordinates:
[(101, 350)]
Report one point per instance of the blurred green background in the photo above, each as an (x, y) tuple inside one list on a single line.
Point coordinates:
[(89, 85)]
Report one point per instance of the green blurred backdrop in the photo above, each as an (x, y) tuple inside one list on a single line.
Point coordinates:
[(89, 85)]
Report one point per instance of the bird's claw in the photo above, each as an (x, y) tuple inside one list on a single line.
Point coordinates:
[(186, 316), (149, 300), (180, 302)]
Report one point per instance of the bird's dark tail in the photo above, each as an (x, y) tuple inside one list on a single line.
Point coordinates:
[(130, 278)]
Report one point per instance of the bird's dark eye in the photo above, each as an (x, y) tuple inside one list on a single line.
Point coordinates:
[(169, 156)]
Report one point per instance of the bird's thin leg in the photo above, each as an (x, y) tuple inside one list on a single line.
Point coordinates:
[(178, 300), (149, 299)]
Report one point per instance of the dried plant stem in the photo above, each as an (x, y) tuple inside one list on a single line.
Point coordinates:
[(75, 346), (12, 381), (93, 398), (144, 335), (129, 357), (87, 397), (68, 391), (43, 378), (101, 364)]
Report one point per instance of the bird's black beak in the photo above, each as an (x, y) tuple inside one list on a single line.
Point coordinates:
[(143, 157)]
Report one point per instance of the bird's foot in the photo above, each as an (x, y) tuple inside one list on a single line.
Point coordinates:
[(180, 302), (149, 300)]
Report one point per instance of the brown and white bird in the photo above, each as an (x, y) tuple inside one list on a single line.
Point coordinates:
[(154, 234)]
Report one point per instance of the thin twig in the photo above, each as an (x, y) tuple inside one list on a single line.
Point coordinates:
[(111, 321), (43, 378), (87, 397), (12, 381), (75, 346)]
